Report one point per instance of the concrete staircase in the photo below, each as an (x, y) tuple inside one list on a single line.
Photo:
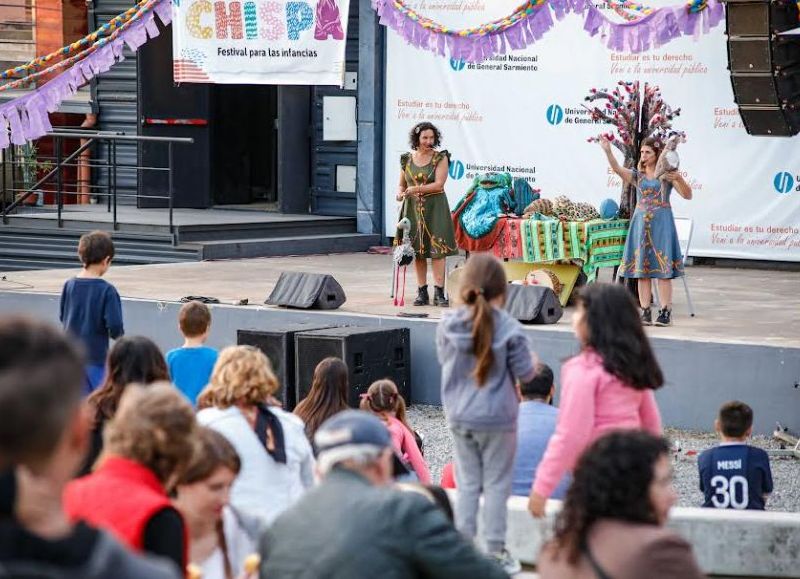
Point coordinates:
[(32, 238), (27, 249)]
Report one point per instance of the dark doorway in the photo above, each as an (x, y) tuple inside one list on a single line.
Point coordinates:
[(244, 145)]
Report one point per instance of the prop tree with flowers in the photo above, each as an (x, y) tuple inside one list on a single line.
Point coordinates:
[(635, 115)]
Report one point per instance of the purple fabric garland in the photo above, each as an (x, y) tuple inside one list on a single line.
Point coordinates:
[(652, 31), (27, 116)]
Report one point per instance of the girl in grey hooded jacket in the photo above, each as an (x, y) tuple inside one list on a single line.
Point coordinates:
[(483, 351)]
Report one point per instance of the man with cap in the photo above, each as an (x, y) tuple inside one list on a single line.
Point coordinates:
[(354, 525)]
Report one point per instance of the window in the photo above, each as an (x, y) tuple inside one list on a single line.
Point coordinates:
[(17, 41)]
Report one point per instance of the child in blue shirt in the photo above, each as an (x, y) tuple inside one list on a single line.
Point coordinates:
[(90, 308), (735, 475), (190, 366), (535, 425)]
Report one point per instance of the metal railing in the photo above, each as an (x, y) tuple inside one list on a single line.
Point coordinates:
[(54, 166)]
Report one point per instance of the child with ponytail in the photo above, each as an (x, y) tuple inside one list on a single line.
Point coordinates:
[(384, 400), (483, 351)]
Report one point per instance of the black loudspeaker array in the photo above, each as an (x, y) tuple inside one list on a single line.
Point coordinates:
[(278, 345), (765, 65), (370, 354)]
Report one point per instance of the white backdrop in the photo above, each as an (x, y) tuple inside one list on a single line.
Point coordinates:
[(522, 113)]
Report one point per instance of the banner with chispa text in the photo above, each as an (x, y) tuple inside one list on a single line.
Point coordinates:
[(521, 113), (260, 42)]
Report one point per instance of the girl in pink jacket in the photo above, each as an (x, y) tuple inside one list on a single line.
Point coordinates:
[(608, 386), (384, 400)]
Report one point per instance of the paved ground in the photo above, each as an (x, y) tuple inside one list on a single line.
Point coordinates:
[(733, 305)]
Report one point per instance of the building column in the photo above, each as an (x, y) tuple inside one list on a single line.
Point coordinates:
[(369, 180)]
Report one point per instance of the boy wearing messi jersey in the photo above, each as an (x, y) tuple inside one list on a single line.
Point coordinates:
[(735, 475)]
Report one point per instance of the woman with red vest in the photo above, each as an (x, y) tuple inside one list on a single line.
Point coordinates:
[(147, 446)]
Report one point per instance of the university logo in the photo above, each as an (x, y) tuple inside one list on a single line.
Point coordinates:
[(783, 182), (457, 64), (555, 114), (456, 170)]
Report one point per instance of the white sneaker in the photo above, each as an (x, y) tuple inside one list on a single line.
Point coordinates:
[(509, 564)]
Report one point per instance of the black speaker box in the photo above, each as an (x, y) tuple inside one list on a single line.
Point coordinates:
[(370, 354), (307, 291), (772, 121), (532, 304), (764, 64), (764, 89), (749, 18), (762, 55), (278, 345)]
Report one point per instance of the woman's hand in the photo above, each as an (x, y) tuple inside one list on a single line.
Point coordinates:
[(605, 144), (536, 504), (672, 176)]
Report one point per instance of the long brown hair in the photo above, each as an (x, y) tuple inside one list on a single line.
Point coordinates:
[(616, 333), (383, 396), (328, 394), (213, 451), (131, 359), (483, 280), (654, 144)]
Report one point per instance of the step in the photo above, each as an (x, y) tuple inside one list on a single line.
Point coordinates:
[(286, 246), (24, 244), (268, 230), (25, 264), (69, 258), (40, 232), (289, 227)]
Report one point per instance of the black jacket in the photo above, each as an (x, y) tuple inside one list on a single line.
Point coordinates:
[(347, 528), (86, 554)]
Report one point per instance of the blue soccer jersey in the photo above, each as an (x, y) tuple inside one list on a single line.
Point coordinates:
[(735, 476)]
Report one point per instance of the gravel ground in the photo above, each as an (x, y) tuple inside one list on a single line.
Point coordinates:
[(429, 421)]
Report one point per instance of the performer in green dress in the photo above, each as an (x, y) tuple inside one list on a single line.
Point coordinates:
[(421, 189)]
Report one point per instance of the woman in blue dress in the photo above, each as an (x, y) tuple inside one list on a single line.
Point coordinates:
[(652, 249)]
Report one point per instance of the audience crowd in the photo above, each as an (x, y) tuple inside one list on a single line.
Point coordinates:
[(118, 462)]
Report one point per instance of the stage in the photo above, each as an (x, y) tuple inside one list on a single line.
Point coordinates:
[(743, 343)]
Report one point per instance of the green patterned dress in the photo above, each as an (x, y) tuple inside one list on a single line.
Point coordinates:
[(432, 233)]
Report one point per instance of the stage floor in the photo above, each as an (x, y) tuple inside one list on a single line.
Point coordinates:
[(733, 305)]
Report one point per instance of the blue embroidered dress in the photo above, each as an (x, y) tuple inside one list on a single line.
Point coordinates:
[(652, 249)]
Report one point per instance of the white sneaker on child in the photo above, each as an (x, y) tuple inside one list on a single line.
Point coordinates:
[(509, 564)]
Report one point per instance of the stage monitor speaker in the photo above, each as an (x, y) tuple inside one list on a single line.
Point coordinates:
[(278, 345), (532, 304), (764, 64), (307, 291), (370, 354)]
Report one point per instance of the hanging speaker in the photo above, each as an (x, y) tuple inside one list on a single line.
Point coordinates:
[(765, 65)]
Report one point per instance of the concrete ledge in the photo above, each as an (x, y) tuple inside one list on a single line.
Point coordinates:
[(726, 543)]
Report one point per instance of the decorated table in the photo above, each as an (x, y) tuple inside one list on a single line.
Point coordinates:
[(596, 243)]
